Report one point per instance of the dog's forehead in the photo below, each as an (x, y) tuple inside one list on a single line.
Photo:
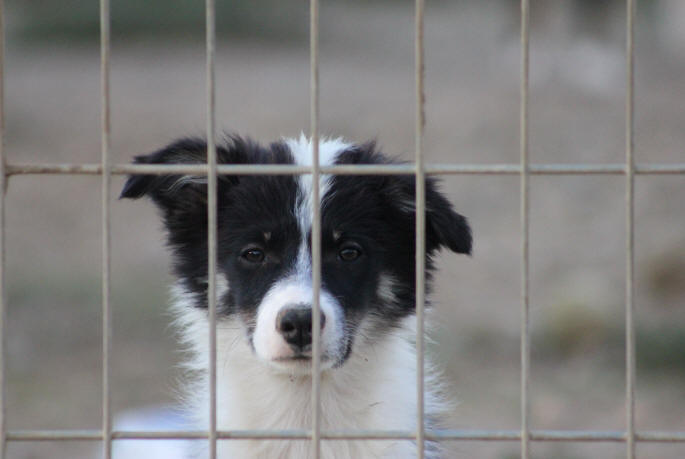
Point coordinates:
[(275, 204), (303, 154), (262, 203)]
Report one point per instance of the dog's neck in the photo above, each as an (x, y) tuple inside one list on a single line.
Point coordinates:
[(375, 389)]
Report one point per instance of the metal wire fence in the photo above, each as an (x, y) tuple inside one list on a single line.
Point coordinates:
[(106, 434)]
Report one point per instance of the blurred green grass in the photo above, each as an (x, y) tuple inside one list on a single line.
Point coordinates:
[(77, 21), (574, 330)]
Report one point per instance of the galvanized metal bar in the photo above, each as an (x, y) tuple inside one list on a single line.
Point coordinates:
[(3, 293), (585, 436), (212, 198), (350, 169), (660, 437), (420, 122), (316, 227), (525, 224), (659, 169), (630, 229), (54, 435), (105, 126)]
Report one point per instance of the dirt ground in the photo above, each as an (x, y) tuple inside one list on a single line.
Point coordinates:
[(577, 223)]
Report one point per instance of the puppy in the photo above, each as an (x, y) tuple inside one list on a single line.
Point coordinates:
[(264, 291)]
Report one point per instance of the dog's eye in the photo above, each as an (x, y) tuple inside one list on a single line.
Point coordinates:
[(253, 255), (349, 253)]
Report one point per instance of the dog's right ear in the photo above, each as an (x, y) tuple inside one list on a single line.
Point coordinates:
[(165, 189), (176, 193), (182, 199)]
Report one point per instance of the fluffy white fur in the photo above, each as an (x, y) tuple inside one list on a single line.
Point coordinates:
[(368, 386), (374, 389)]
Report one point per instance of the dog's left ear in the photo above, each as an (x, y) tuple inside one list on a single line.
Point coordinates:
[(444, 226)]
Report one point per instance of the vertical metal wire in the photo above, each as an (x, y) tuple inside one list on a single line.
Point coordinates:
[(525, 216), (3, 188), (630, 229), (420, 119), (316, 228), (211, 219), (105, 144), (106, 434)]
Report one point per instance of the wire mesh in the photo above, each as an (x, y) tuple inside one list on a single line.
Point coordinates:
[(630, 229), (105, 146), (316, 228), (357, 169), (420, 120), (436, 435), (211, 218), (525, 234), (420, 169), (3, 187)]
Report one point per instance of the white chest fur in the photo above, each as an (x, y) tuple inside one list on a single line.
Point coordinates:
[(374, 390)]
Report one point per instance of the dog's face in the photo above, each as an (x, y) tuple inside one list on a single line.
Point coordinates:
[(264, 244)]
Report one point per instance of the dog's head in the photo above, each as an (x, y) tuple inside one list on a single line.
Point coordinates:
[(264, 243)]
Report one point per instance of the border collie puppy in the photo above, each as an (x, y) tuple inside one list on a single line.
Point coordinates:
[(264, 317)]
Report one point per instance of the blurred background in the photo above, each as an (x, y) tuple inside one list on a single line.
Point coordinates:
[(577, 115)]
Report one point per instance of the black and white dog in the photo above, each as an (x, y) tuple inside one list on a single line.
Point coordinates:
[(265, 292)]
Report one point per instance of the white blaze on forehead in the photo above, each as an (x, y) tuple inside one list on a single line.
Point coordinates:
[(302, 152), (301, 149), (296, 289)]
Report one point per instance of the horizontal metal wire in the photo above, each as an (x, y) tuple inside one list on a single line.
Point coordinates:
[(436, 435), (357, 169)]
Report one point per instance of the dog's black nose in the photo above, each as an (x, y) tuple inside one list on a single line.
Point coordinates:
[(295, 325)]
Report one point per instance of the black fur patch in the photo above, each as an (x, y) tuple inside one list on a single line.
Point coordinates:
[(373, 215)]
